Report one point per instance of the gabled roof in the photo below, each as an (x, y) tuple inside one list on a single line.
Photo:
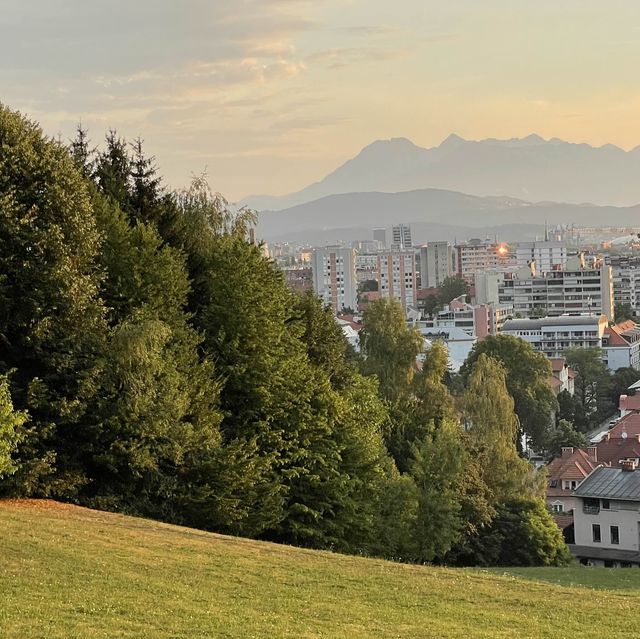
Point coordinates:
[(557, 363), (611, 483), (629, 425), (575, 465)]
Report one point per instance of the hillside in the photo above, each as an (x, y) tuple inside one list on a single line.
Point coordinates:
[(72, 572), (434, 214), (530, 168)]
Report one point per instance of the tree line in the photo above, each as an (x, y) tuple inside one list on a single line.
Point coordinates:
[(154, 362)]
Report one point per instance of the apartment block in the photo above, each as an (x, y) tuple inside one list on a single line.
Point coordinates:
[(626, 280), (476, 320), (334, 277), (401, 237), (436, 263), (397, 277), (476, 256), (547, 255)]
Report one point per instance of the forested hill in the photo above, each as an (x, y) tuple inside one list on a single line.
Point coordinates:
[(153, 362)]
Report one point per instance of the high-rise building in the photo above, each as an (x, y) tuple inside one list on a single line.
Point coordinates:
[(380, 236), (436, 263), (626, 280), (397, 277), (334, 277), (477, 255), (548, 255), (401, 238)]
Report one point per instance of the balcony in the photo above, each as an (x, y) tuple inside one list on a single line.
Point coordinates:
[(590, 510)]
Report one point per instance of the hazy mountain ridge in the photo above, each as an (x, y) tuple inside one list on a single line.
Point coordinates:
[(530, 168), (436, 214)]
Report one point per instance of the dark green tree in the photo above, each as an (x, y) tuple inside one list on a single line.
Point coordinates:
[(113, 171), (564, 435), (146, 199), (620, 382), (82, 152), (52, 327), (624, 311), (451, 288)]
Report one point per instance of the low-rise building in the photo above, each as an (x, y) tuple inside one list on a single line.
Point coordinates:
[(477, 320), (562, 377), (607, 517), (621, 345), (555, 335), (458, 342)]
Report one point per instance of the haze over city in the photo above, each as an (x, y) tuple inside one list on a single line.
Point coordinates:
[(270, 95)]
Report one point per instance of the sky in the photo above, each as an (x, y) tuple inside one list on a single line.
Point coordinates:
[(267, 96)]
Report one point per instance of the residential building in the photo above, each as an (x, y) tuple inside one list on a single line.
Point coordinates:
[(334, 277), (401, 237), (547, 255), (380, 236), (562, 377), (578, 288), (565, 474), (606, 517), (626, 280), (555, 335), (628, 404), (396, 275), (621, 345), (479, 320), (299, 278), (477, 255), (436, 263)]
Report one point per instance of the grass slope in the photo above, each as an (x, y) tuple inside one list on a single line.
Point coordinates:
[(71, 572)]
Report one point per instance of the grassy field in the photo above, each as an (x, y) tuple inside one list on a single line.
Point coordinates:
[(70, 572)]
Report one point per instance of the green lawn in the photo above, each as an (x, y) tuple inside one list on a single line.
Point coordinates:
[(600, 578), (70, 572)]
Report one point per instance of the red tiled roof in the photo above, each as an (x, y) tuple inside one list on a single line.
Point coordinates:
[(575, 465), (630, 424), (557, 363), (423, 293), (614, 337), (563, 521), (611, 451), (630, 402), (554, 382)]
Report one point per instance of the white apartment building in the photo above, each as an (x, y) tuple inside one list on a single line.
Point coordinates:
[(436, 263), (547, 255), (397, 277), (478, 321), (576, 289), (607, 517), (334, 277), (555, 335), (621, 346), (401, 237), (626, 281)]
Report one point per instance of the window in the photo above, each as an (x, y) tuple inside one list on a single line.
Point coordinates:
[(615, 535), (557, 507), (595, 530), (605, 504), (553, 483)]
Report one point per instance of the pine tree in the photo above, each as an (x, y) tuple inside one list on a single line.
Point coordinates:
[(81, 152), (113, 172), (146, 187)]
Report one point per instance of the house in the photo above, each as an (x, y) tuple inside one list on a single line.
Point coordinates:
[(613, 452), (562, 377), (458, 343), (621, 345), (607, 518), (565, 474)]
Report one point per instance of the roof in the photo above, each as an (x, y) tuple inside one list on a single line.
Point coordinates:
[(611, 451), (629, 402), (561, 320), (557, 363), (613, 554), (627, 427), (563, 521), (575, 465), (611, 483)]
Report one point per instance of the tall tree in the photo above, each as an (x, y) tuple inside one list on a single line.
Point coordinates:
[(146, 198), (51, 319), (82, 152), (592, 386), (113, 171), (492, 426), (527, 377)]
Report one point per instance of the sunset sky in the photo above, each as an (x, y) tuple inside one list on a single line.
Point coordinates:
[(269, 95)]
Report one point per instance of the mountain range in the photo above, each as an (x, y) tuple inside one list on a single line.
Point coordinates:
[(433, 214), (530, 168)]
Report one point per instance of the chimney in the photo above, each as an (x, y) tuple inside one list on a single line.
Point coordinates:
[(627, 465), (593, 452), (567, 451)]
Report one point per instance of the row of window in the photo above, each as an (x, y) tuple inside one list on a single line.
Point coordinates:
[(614, 534)]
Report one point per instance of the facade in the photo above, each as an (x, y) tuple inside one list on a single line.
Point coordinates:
[(436, 263), (299, 278), (547, 255), (565, 474), (458, 342), (334, 277), (476, 256), (401, 237), (621, 345), (626, 280), (607, 517), (396, 275), (555, 335), (576, 289), (562, 377)]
